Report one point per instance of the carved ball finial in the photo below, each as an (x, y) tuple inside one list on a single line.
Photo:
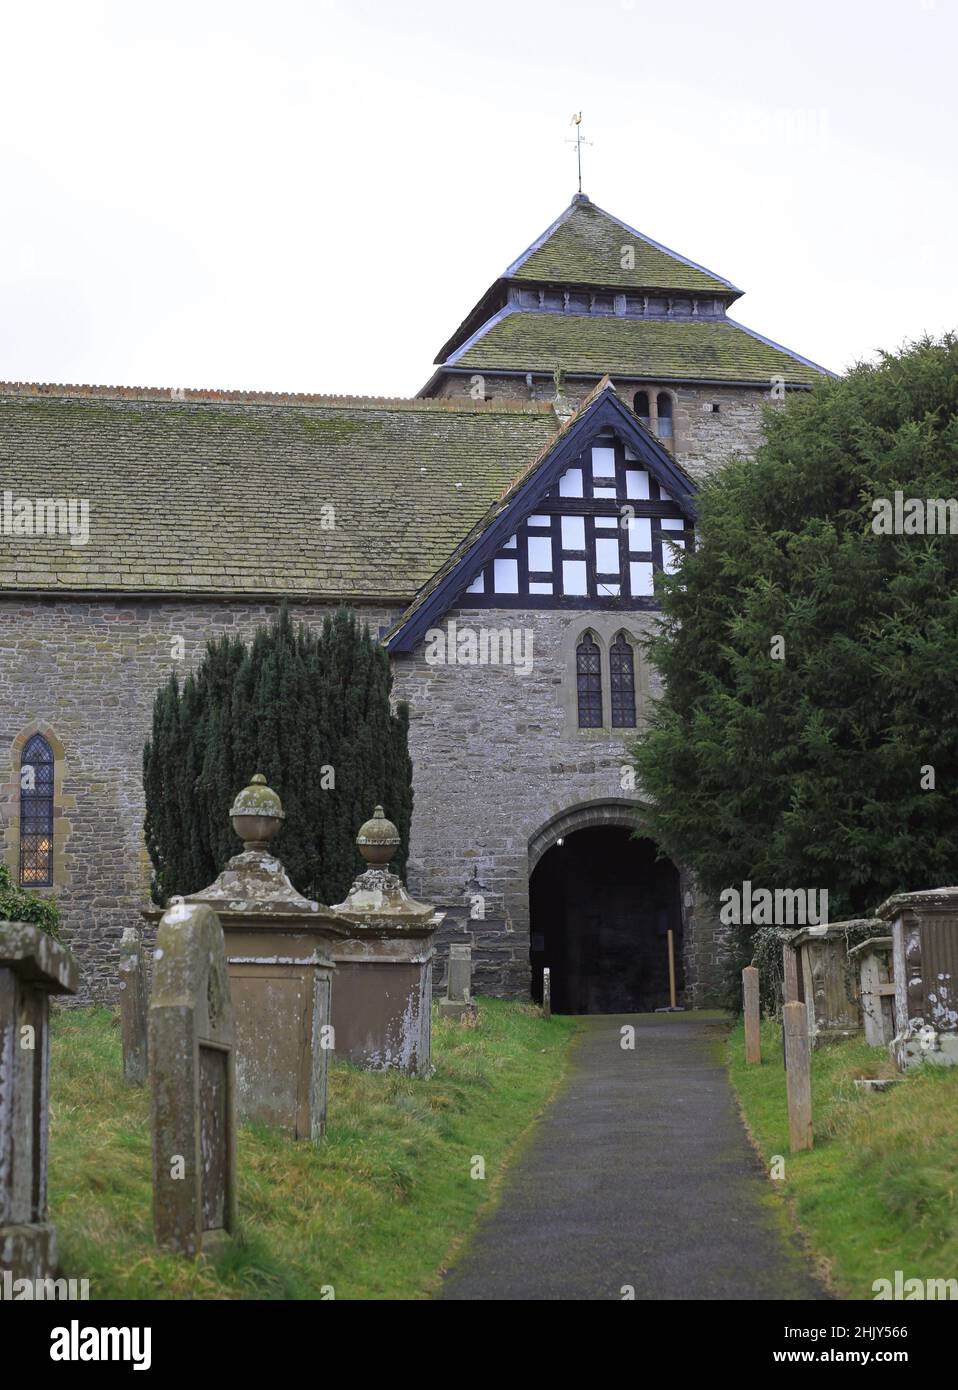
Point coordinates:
[(378, 839), (257, 814)]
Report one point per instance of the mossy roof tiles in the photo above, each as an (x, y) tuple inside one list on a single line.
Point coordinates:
[(657, 349), (220, 496), (587, 246)]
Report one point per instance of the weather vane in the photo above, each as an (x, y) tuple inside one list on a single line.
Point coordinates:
[(578, 142)]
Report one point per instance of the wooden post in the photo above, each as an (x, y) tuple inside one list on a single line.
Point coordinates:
[(672, 969), (790, 967), (798, 1079), (546, 993), (753, 1045)]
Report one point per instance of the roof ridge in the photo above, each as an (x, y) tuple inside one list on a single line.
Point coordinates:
[(198, 395)]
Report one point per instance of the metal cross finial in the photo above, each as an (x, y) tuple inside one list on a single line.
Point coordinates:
[(578, 142)]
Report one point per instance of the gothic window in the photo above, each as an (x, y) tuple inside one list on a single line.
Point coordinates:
[(664, 409), (36, 814), (588, 666), (640, 405), (622, 683)]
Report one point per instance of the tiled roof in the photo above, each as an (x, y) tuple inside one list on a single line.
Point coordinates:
[(586, 246), (658, 349), (216, 494)]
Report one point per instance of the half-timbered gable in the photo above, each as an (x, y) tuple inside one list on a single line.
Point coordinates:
[(588, 526)]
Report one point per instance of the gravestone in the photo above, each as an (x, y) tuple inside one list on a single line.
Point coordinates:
[(32, 967), (192, 1083), (134, 1005), (925, 954), (280, 972), (828, 984), (458, 1003), (546, 992), (382, 1004), (877, 989)]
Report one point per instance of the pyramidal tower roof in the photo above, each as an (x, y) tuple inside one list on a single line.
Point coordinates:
[(593, 295), (587, 246)]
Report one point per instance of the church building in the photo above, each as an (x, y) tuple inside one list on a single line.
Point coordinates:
[(500, 533)]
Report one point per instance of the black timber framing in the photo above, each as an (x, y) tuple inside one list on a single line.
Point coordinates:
[(605, 414)]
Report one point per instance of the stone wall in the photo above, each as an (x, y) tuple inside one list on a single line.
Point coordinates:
[(85, 674), (497, 756), (704, 438)]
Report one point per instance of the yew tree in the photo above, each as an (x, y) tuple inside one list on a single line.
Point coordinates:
[(311, 710), (807, 734)]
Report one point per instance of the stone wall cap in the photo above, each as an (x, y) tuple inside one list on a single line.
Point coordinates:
[(35, 956), (926, 897), (874, 943), (828, 931)]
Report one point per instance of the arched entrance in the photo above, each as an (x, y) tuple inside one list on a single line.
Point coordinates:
[(601, 906)]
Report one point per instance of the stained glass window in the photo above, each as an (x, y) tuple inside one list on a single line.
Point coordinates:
[(588, 663), (36, 814), (622, 683)]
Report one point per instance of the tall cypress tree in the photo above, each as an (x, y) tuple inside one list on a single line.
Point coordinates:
[(312, 712)]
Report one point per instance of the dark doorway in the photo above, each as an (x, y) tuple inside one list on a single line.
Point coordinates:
[(601, 905)]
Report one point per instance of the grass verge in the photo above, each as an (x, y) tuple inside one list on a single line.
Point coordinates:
[(879, 1191), (374, 1212)]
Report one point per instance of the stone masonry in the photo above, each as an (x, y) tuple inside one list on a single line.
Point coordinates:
[(704, 437), (497, 756)]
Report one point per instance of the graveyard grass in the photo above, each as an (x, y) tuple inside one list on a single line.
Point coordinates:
[(376, 1211), (879, 1191)]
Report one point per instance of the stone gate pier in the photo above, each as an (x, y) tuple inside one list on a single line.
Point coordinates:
[(278, 947), (382, 1004)]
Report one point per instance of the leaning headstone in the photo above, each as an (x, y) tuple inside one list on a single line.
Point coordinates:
[(798, 1080), (280, 972), (32, 967), (133, 1007), (925, 934), (753, 1016), (192, 1083), (382, 1004), (873, 959), (458, 1003)]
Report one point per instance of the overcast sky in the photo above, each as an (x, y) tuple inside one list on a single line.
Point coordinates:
[(310, 197)]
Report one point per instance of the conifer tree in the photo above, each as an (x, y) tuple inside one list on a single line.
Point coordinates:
[(834, 766), (312, 712)]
